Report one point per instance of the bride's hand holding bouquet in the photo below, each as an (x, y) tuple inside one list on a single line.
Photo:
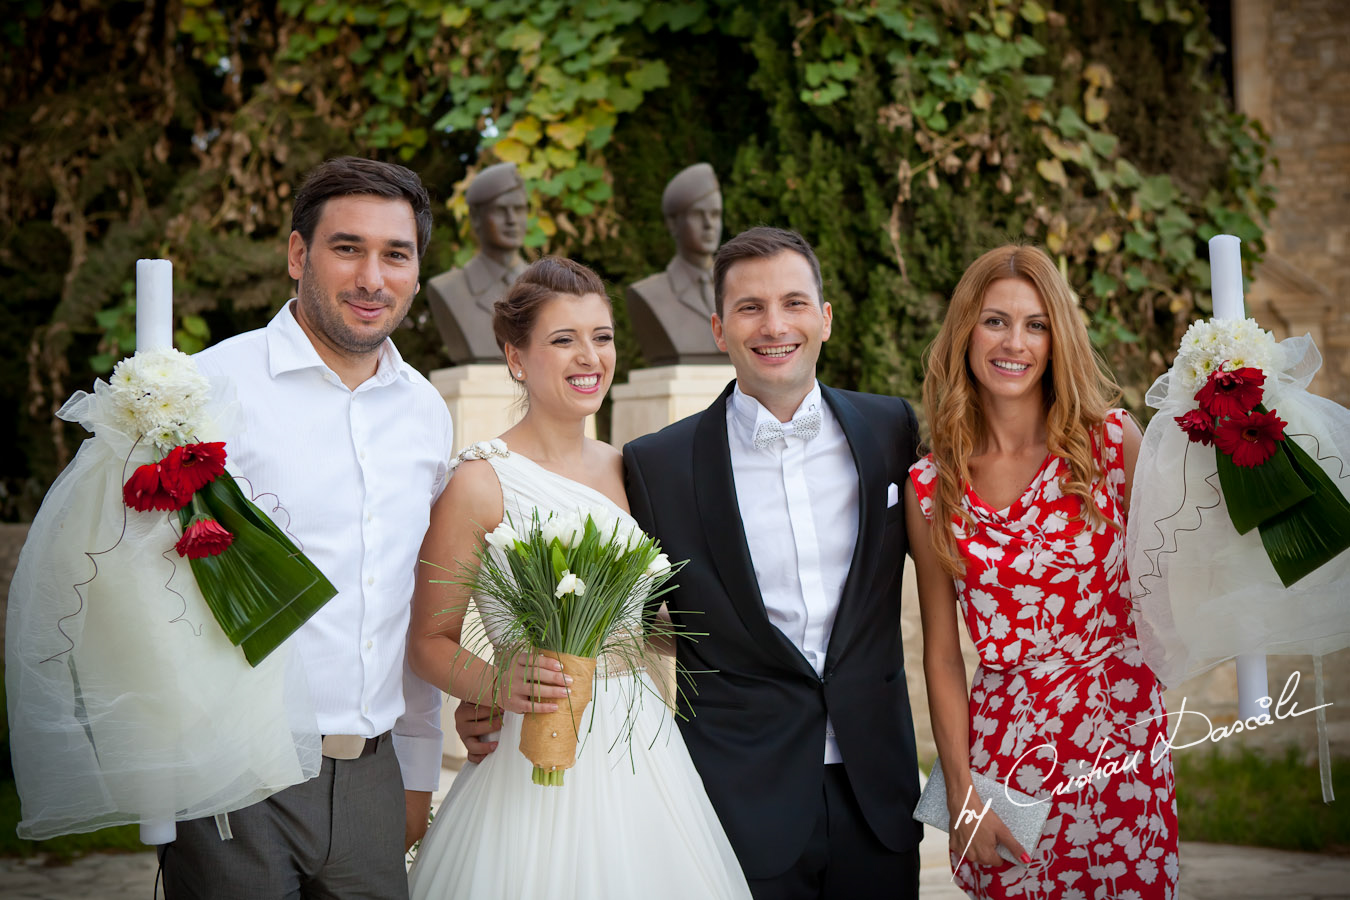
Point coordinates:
[(571, 590)]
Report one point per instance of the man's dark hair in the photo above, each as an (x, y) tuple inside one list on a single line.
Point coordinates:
[(348, 175), (761, 242)]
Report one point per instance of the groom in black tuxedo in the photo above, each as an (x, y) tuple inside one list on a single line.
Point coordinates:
[(785, 497)]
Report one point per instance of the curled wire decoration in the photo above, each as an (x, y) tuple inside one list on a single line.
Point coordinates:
[(1318, 457), (60, 623), (173, 566), (1160, 550), (277, 507)]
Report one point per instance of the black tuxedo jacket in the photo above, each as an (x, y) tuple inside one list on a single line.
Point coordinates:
[(755, 724)]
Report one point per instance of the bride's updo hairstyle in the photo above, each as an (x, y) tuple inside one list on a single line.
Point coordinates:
[(514, 315), (1077, 389)]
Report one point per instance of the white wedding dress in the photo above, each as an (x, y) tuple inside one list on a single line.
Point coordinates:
[(631, 819)]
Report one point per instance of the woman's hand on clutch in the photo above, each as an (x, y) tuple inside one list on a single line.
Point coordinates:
[(532, 684), (978, 832)]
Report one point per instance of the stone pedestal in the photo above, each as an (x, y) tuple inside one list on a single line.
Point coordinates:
[(483, 400), (654, 398)]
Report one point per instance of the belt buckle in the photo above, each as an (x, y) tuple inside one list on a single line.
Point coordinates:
[(343, 746)]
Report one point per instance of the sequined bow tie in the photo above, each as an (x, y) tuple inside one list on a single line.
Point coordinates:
[(804, 425)]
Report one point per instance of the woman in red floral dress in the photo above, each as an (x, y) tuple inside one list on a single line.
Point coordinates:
[(1028, 483)]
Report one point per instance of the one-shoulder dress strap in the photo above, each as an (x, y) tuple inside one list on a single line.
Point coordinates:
[(489, 450)]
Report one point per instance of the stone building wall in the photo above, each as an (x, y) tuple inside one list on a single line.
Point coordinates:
[(1292, 73)]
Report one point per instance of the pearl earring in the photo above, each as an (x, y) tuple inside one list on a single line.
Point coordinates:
[(520, 375)]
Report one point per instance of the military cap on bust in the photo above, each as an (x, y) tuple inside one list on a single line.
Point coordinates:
[(492, 182), (687, 188)]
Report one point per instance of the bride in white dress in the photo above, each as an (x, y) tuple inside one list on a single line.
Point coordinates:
[(632, 818)]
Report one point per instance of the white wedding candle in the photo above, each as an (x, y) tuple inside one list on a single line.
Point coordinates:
[(154, 331), (1225, 275), (154, 304), (1225, 278)]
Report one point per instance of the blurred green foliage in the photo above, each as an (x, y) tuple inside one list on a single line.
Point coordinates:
[(901, 138)]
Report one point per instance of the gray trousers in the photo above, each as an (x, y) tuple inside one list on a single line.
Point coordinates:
[(338, 836)]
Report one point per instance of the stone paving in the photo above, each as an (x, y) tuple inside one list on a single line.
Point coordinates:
[(1208, 872)]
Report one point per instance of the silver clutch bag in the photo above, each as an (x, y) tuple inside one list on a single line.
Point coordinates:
[(1025, 818)]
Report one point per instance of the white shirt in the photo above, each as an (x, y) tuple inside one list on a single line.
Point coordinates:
[(799, 505), (355, 473)]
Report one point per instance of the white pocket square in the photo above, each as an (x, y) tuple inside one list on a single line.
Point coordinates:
[(892, 495)]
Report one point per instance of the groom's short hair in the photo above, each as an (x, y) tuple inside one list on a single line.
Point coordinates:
[(348, 175), (761, 242)]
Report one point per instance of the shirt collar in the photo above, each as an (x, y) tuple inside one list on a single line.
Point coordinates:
[(748, 413), (289, 349), (682, 269)]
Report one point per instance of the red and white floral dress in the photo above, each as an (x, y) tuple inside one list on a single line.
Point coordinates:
[(1062, 688)]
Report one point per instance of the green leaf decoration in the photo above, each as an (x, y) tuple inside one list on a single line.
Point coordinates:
[(1255, 495), (262, 588), (1312, 532)]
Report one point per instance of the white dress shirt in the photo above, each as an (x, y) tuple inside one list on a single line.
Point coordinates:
[(355, 473), (799, 505)]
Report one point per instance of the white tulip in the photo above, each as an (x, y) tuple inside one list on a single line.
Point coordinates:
[(659, 567), (570, 584), (504, 537)]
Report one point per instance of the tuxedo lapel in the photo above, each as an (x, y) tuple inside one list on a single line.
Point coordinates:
[(867, 457), (720, 516)]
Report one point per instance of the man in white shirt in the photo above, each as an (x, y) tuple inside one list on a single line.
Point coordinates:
[(352, 444), (783, 495)]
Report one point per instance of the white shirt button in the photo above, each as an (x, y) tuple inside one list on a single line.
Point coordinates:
[(369, 644), (370, 579)]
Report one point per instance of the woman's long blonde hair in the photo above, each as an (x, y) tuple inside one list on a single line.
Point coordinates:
[(1077, 388)]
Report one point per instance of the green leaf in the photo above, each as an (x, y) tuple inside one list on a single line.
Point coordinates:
[(1135, 279), (558, 561), (261, 588), (1312, 532), (1157, 191), (1141, 245), (1038, 85), (649, 76), (1254, 495), (1033, 12), (1102, 143), (1103, 285), (196, 326), (1069, 123)]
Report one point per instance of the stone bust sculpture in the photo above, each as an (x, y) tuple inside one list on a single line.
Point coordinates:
[(671, 311), (461, 299)]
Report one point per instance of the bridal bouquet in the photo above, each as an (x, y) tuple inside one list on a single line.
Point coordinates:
[(1268, 482), (577, 587), (259, 587)]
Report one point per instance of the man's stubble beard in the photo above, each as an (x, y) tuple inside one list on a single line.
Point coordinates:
[(326, 317)]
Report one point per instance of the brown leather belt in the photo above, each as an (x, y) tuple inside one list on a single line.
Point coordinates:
[(351, 746)]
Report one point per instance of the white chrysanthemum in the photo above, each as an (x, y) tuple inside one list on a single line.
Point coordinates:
[(159, 394), (1224, 344)]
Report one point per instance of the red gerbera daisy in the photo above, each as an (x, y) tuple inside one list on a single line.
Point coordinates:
[(145, 491), (190, 467), (1231, 393), (204, 537), (1199, 426), (1250, 439)]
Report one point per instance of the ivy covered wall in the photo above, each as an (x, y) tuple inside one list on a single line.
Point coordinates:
[(902, 138)]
